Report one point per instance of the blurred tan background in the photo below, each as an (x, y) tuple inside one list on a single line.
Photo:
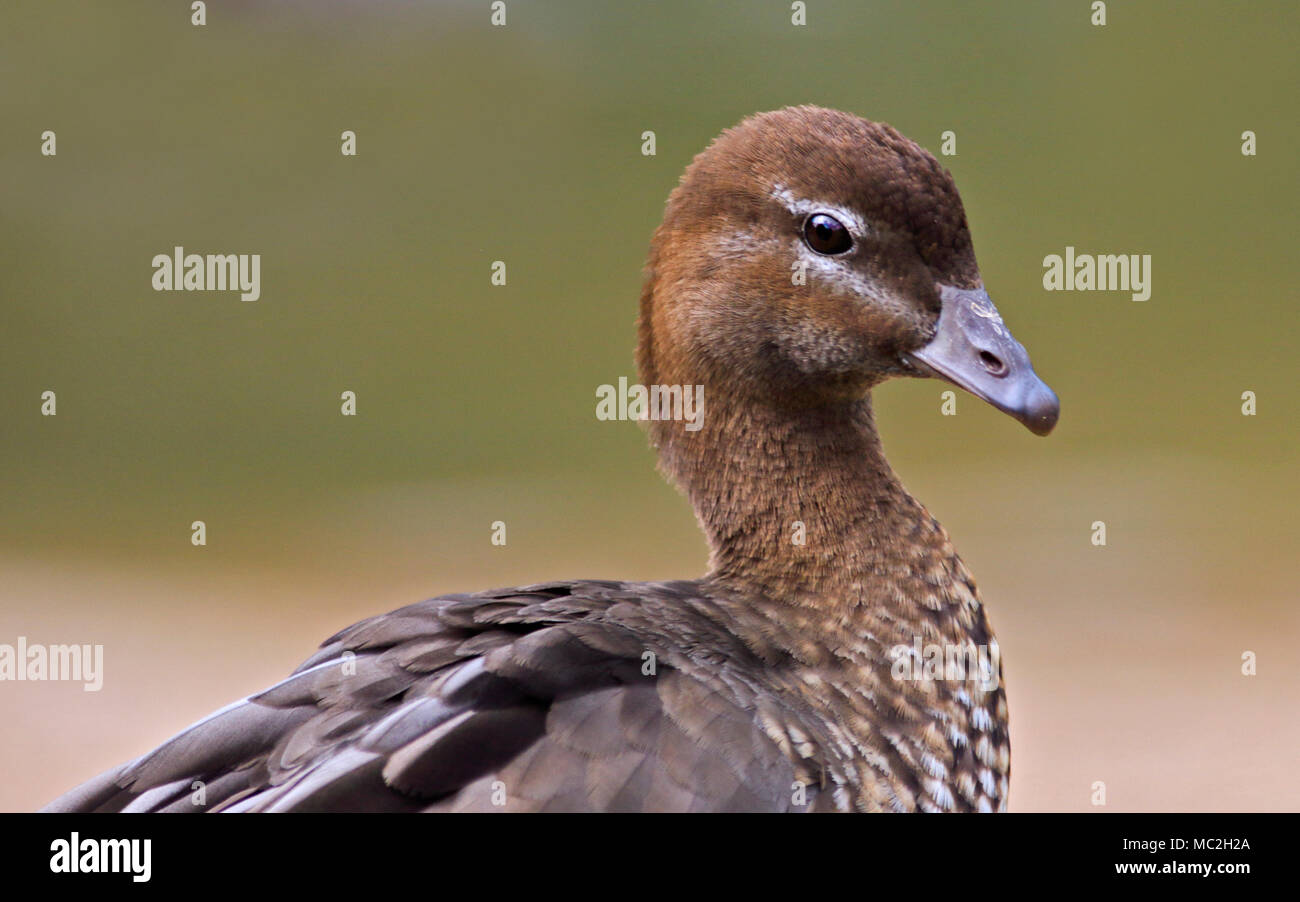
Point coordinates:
[(476, 403)]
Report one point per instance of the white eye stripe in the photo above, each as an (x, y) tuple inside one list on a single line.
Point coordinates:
[(840, 273), (830, 271), (835, 271), (856, 225)]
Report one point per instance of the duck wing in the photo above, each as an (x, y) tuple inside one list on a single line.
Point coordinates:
[(557, 697)]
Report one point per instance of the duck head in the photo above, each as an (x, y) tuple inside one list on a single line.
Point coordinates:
[(808, 255)]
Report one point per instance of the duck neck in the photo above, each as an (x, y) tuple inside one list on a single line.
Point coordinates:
[(800, 504)]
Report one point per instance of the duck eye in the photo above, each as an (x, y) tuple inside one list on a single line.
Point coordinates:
[(826, 234)]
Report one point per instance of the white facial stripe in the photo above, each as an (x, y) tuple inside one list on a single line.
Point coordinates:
[(836, 271), (833, 270), (856, 225)]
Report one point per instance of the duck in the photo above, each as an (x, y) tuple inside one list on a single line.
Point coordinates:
[(806, 256)]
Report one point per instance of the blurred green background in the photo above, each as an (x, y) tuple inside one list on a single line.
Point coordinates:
[(476, 403)]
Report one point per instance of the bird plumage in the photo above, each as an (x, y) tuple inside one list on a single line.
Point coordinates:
[(799, 674), (561, 697)]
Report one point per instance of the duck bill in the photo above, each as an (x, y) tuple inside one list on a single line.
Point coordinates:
[(974, 350)]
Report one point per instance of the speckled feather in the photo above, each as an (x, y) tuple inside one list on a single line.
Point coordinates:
[(539, 699)]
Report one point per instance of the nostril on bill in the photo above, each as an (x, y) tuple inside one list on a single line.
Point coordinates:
[(992, 363)]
